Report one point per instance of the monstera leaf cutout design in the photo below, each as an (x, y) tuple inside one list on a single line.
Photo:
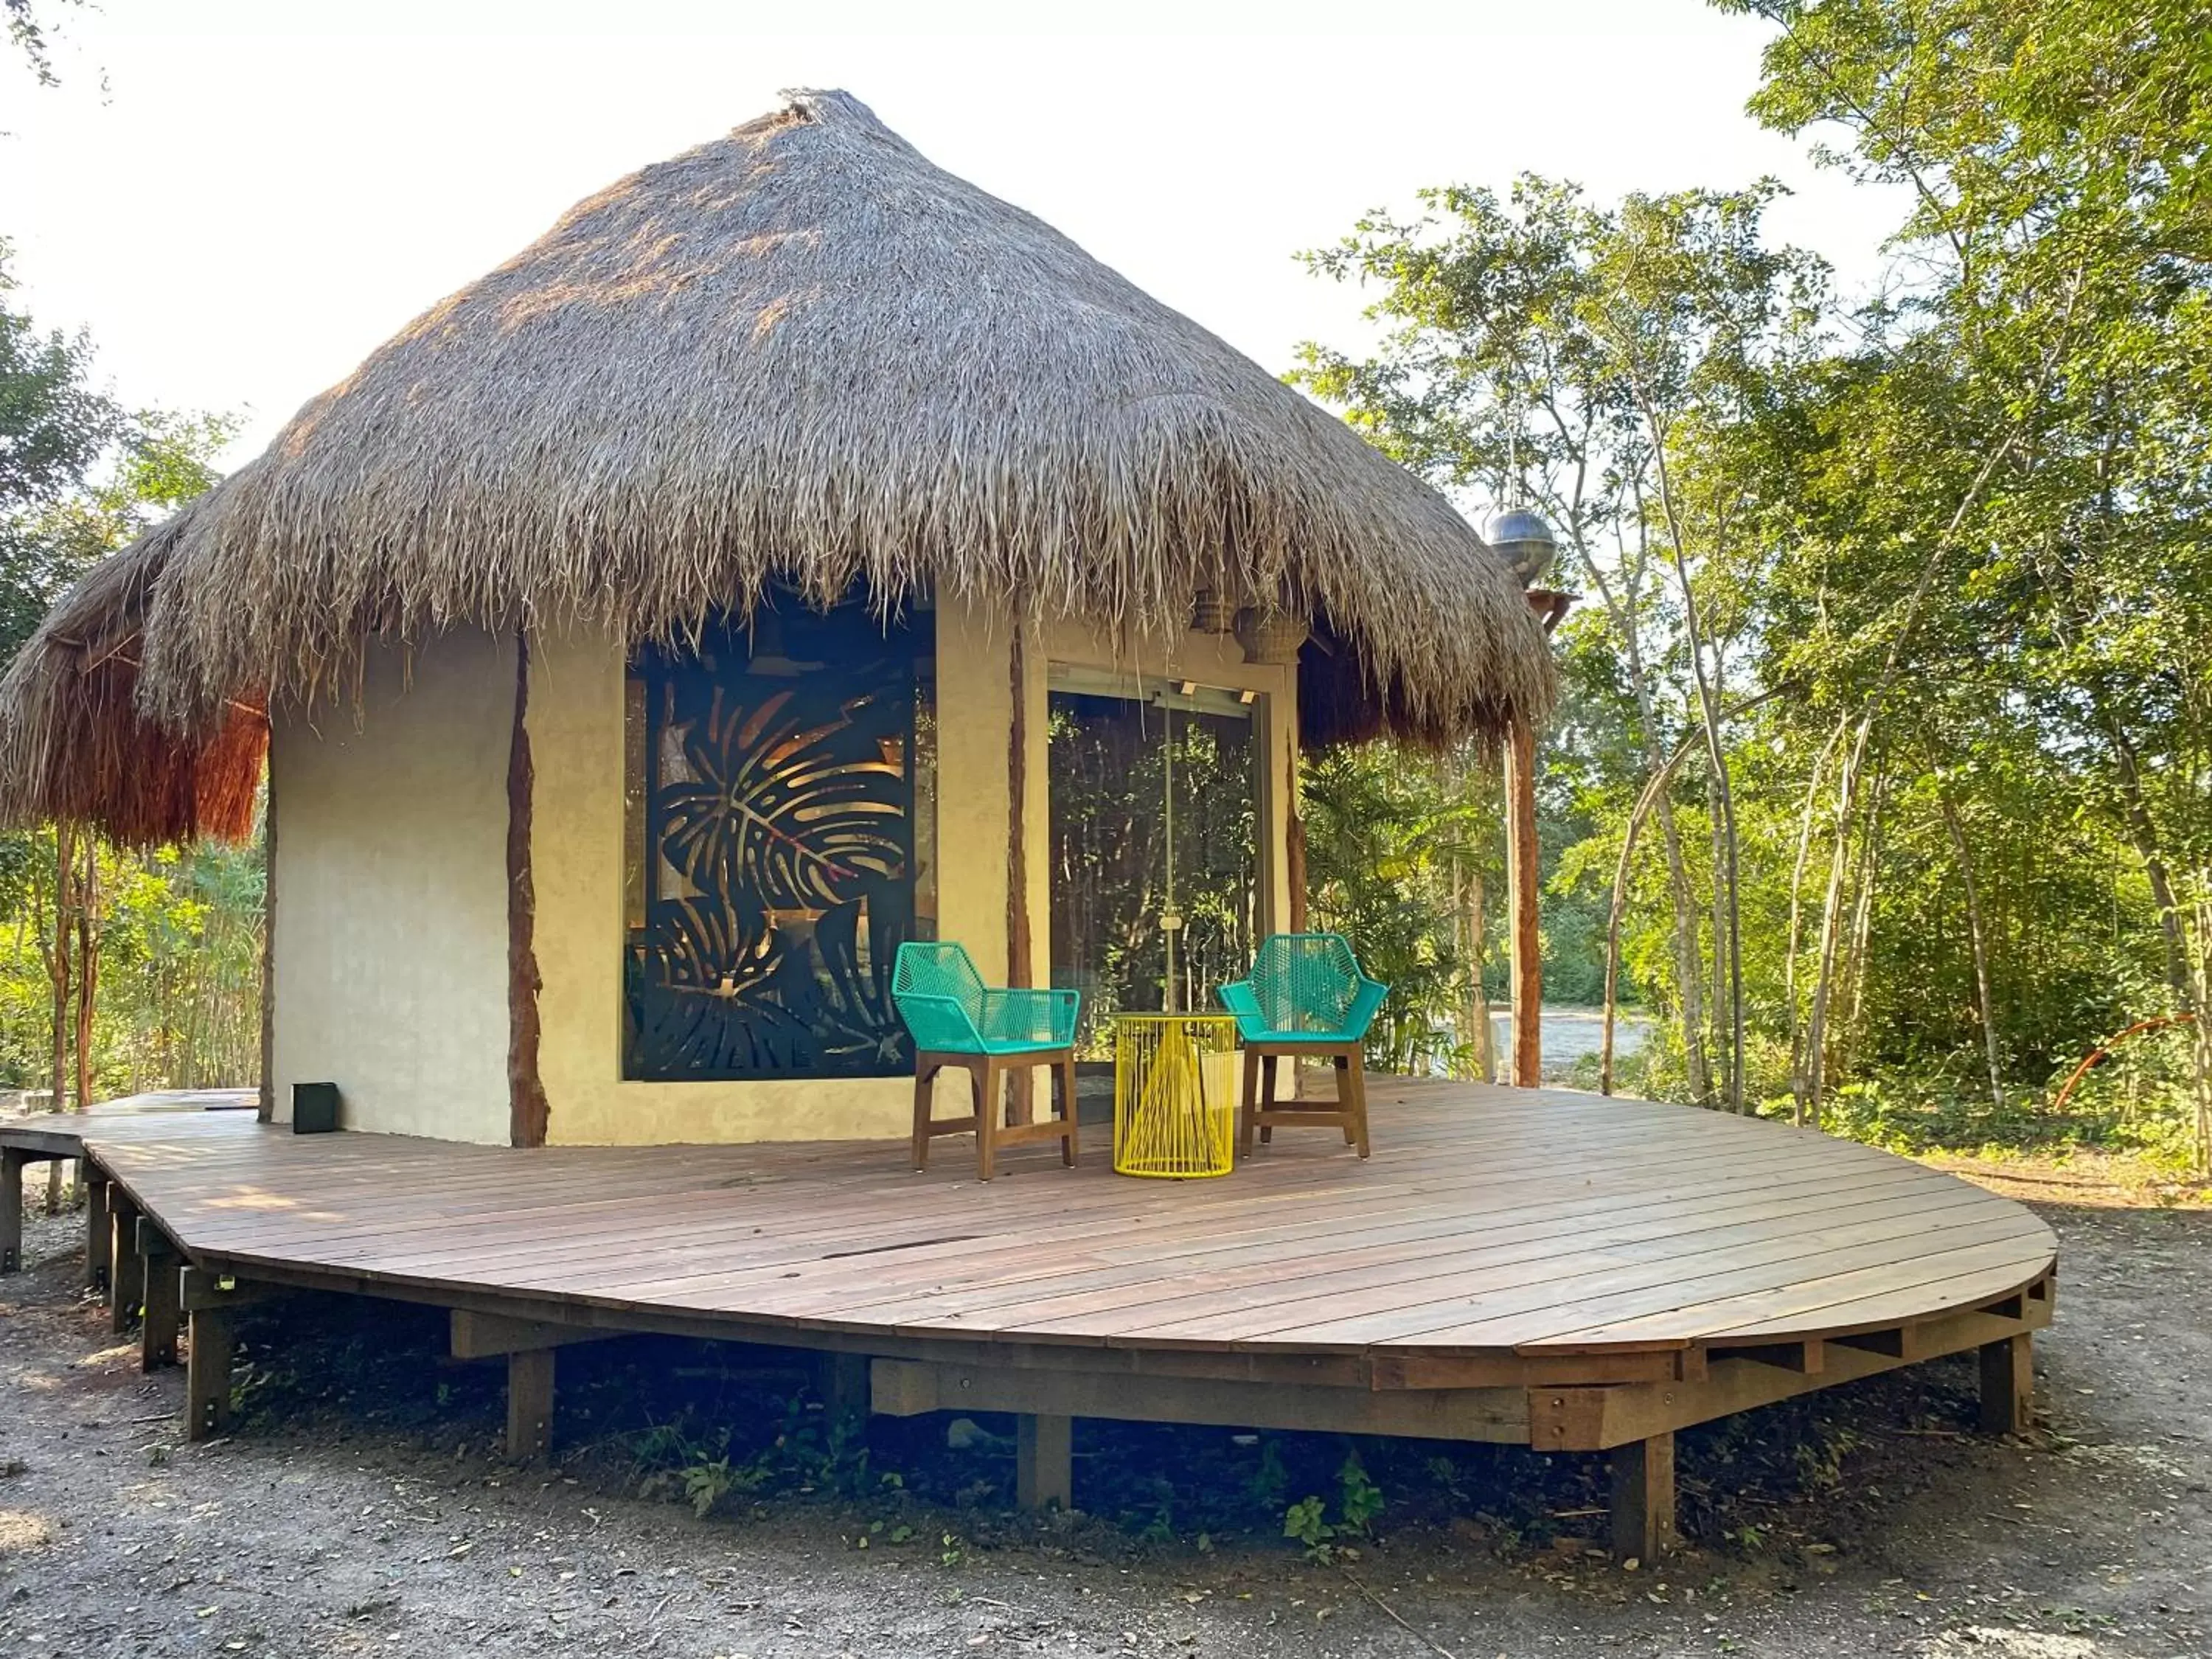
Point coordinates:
[(780, 882), (855, 1019), (795, 812), (709, 948)]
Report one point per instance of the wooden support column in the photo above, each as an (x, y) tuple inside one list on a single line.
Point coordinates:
[(845, 1394), (530, 1402), (162, 1272), (211, 1301), (2007, 1384), (1521, 863), (99, 1242), (266, 1110), (207, 1372), (1044, 1462), (528, 1111), (1020, 1106), (11, 1209), (1643, 1499), (126, 1268)]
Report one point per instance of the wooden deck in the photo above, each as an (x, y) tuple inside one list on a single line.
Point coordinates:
[(1547, 1267)]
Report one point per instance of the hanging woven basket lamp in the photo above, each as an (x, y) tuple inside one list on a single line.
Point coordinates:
[(1270, 634), (1212, 611)]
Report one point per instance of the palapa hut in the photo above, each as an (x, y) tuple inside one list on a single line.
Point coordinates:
[(795, 550)]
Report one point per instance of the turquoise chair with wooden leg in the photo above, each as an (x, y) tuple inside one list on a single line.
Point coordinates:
[(1306, 998), (958, 1021)]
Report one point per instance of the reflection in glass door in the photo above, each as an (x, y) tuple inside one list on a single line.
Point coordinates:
[(1155, 848)]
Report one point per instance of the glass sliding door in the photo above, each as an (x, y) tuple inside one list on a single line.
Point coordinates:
[(1156, 876)]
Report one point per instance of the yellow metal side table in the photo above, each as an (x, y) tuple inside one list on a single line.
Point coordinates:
[(1175, 1095)]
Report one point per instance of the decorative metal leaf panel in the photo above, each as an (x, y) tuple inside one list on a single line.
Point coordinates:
[(777, 855)]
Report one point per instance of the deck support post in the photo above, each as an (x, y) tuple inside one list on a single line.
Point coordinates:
[(530, 1402), (1643, 1499), (845, 1391), (207, 1373), (98, 1240), (11, 1209), (163, 1275), (1044, 1461), (2007, 1384), (126, 1273)]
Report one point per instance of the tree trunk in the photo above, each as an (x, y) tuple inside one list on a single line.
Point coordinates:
[(1731, 1083), (88, 966), (2196, 928), (1797, 920), (1851, 1027), (1831, 904), (1976, 932), (1728, 929), (2135, 813), (1478, 1010)]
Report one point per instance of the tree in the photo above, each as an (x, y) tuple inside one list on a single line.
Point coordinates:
[(1542, 344), (2051, 344)]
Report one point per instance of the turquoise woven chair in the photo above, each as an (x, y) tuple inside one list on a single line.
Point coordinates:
[(958, 1021), (1306, 998)]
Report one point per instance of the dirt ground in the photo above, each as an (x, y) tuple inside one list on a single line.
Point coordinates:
[(357, 1510)]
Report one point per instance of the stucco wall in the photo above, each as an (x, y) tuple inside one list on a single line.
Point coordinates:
[(390, 950), (575, 725)]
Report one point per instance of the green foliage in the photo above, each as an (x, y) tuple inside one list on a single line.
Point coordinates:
[(1359, 1503), (794, 1447), (1305, 1521), (1941, 561), (1394, 842), (1359, 1499)]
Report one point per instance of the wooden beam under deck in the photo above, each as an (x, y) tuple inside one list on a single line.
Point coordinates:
[(908, 1387)]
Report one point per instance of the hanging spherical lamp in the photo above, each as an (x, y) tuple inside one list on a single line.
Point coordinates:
[(1523, 540)]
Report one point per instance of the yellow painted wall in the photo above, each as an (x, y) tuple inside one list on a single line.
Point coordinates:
[(575, 725), (389, 955)]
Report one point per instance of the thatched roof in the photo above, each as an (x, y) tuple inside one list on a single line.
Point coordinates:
[(803, 355), (74, 745)]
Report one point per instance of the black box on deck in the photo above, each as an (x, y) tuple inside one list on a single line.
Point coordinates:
[(314, 1108)]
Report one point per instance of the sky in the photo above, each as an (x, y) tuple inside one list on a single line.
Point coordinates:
[(265, 190)]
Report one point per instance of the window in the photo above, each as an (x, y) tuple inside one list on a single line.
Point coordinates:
[(778, 846)]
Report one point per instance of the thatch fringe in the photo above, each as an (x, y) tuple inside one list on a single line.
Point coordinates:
[(75, 746)]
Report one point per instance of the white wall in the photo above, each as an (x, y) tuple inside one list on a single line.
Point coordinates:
[(389, 953)]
